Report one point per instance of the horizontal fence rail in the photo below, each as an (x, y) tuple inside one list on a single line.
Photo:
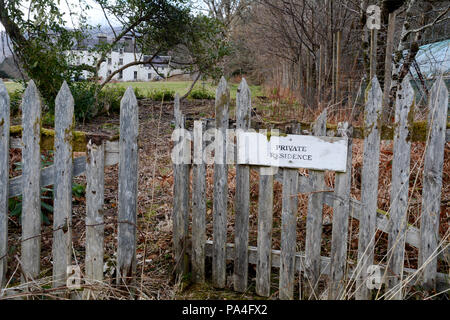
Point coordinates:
[(417, 130)]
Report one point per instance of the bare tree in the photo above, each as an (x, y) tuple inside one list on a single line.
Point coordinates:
[(295, 44), (402, 64), (227, 11)]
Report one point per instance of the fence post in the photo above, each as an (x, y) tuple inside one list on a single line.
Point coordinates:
[(242, 206), (341, 211), (181, 194), (62, 216), (4, 180), (432, 183), (399, 188), (369, 187), (314, 220), (31, 166), (265, 222), (288, 233), (128, 179), (199, 205), (95, 190), (220, 186)]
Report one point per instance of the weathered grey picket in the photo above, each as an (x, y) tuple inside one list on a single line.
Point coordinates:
[(31, 194), (60, 174), (62, 218), (265, 214), (369, 187), (4, 176), (288, 233), (199, 205), (341, 212), (128, 181), (220, 186), (432, 183), (181, 194), (345, 279), (400, 186), (242, 206), (314, 220), (95, 189)]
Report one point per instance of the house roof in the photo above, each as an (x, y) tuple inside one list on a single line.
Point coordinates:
[(97, 37)]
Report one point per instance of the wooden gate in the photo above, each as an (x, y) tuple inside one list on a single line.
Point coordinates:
[(343, 279)]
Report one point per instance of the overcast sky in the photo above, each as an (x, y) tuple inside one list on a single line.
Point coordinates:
[(94, 15)]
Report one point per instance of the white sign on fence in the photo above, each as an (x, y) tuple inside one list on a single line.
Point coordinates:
[(292, 151)]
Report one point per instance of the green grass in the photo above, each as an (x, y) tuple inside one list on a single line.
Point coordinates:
[(12, 86), (180, 87)]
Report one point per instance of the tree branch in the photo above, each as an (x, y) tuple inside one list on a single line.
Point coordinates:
[(192, 86), (430, 24)]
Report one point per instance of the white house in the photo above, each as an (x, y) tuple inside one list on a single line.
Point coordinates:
[(123, 54)]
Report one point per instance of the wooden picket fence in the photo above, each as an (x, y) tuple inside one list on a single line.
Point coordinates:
[(104, 151), (101, 151), (340, 275)]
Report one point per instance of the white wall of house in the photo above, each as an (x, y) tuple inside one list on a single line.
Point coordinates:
[(117, 59)]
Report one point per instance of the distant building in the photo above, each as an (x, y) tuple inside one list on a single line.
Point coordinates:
[(433, 60), (125, 52)]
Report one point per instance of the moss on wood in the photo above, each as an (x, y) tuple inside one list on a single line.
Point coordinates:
[(79, 143), (418, 130), (271, 133)]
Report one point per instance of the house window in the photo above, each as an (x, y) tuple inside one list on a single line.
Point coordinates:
[(102, 39), (109, 61), (149, 76), (135, 75), (121, 50), (121, 74), (120, 61)]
